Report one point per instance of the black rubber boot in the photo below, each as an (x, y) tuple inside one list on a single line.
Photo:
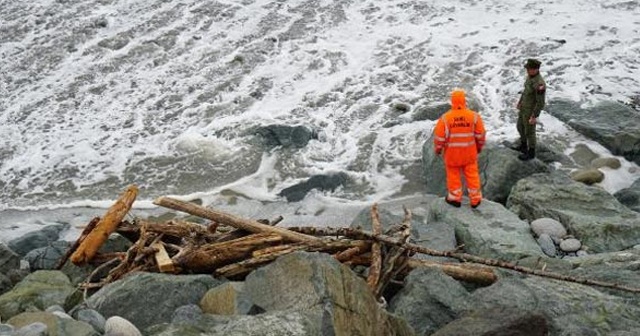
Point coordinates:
[(522, 148), (453, 203), (528, 155), (476, 205)]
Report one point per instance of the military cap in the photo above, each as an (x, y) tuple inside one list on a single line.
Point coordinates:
[(532, 64)]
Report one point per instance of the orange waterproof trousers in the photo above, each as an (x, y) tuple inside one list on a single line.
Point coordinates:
[(471, 176)]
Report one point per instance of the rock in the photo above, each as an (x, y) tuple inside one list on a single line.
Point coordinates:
[(609, 162), (582, 253), (136, 296), (617, 267), (118, 326), (46, 258), (286, 136), (227, 299), (588, 176), (5, 284), (583, 155), (593, 215), (548, 226), (429, 300), (333, 299), (91, 317), (602, 124), (298, 191), (570, 245), (36, 239), (6, 330), (34, 329), (490, 231), (55, 325), (188, 314), (54, 308), (497, 321), (547, 245), (630, 196), (38, 290), (9, 260), (291, 323), (430, 112), (565, 305), (499, 168)]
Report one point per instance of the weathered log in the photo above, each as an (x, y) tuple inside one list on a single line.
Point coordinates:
[(376, 253), (206, 258), (231, 220), (462, 272), (85, 232), (467, 272), (108, 224), (244, 267)]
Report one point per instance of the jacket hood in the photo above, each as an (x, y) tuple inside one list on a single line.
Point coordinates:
[(458, 100)]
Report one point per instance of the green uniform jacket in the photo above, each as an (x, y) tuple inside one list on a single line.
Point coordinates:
[(532, 98)]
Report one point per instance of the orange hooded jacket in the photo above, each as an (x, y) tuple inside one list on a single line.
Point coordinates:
[(459, 133)]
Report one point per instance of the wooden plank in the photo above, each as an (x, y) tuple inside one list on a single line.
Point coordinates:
[(165, 264)]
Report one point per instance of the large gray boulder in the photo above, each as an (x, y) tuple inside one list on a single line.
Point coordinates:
[(9, 260), (566, 306), (39, 290), (36, 239), (46, 258), (146, 299), (429, 300), (56, 325), (630, 196), (591, 214), (290, 323), (332, 298), (489, 231), (622, 267), (499, 168), (497, 321), (602, 124)]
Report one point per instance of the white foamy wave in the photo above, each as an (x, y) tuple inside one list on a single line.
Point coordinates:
[(102, 94)]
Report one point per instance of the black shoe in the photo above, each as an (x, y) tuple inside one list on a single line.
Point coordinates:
[(453, 203), (476, 205), (522, 148), (528, 155)]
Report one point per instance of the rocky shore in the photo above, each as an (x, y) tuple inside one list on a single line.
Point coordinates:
[(534, 215)]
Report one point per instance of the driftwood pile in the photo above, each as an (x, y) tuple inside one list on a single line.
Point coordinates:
[(232, 247)]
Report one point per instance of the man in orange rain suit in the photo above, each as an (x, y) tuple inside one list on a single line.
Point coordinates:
[(460, 134)]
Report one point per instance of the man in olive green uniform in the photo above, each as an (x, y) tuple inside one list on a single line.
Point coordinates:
[(530, 105)]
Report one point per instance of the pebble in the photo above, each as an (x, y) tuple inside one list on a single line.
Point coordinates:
[(570, 245), (547, 245), (118, 326), (54, 308), (549, 226), (610, 162)]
